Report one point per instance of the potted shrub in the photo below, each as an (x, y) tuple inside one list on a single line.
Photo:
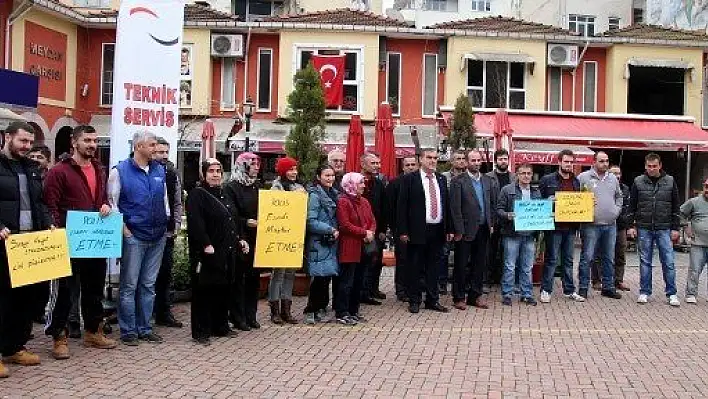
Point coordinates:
[(181, 277)]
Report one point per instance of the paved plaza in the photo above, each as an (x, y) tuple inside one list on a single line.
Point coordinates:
[(601, 348)]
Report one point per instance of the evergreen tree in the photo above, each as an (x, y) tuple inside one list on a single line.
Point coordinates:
[(462, 134), (306, 109)]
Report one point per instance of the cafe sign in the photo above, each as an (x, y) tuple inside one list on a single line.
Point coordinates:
[(45, 57)]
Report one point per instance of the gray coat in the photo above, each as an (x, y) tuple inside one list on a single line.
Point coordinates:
[(464, 205), (505, 206)]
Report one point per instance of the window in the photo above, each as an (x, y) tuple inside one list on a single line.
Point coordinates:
[(408, 5), (353, 75), (590, 86), (430, 84), (92, 3), (495, 84), (440, 5), (555, 89), (613, 23), (481, 5), (186, 70), (107, 60), (582, 24), (393, 82), (228, 84), (637, 16), (265, 78)]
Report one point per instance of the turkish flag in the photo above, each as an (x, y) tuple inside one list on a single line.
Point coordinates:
[(331, 69)]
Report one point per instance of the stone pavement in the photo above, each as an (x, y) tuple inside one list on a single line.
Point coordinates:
[(601, 348)]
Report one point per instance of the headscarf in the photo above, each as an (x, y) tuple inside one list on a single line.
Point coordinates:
[(350, 181), (206, 164), (243, 165)]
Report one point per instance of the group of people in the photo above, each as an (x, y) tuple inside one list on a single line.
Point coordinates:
[(349, 219)]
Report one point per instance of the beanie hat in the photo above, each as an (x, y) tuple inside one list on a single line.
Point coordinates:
[(283, 165)]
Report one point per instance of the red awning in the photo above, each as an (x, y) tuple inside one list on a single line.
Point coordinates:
[(599, 130)]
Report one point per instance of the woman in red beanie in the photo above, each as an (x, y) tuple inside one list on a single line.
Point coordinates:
[(280, 289)]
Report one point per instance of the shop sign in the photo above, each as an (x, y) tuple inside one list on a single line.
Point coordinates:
[(45, 57)]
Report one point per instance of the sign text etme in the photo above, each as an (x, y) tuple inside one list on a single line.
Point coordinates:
[(92, 236), (280, 238)]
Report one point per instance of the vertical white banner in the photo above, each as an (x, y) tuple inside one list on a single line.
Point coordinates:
[(146, 75)]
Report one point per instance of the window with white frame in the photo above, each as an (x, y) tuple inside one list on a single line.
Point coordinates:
[(92, 3), (496, 84), (584, 25), (107, 61), (440, 5), (481, 5), (613, 23), (555, 89), (228, 83), (590, 86), (393, 82), (265, 78), (353, 74), (430, 84)]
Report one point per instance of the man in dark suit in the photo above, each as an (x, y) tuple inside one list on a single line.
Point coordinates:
[(410, 164), (375, 193), (423, 217), (473, 201)]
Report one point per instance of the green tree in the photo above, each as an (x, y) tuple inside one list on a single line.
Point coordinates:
[(462, 133), (306, 109)]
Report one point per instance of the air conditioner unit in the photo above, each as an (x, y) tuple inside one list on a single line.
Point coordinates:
[(562, 55), (226, 45)]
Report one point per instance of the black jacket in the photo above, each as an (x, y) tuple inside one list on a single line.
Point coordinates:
[(654, 205), (245, 201), (410, 217), (10, 196), (623, 219), (464, 205), (209, 222), (376, 195), (505, 205), (392, 191), (550, 183)]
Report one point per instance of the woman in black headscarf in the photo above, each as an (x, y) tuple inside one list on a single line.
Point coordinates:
[(214, 242)]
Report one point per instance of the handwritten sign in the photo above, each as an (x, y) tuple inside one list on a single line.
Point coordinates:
[(38, 256), (533, 215), (575, 207), (281, 229), (91, 236)]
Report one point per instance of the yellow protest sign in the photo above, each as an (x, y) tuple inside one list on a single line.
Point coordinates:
[(281, 229), (575, 206), (38, 256)]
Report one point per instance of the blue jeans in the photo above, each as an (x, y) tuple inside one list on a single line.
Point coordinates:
[(598, 238), (559, 247), (698, 259), (662, 238), (522, 250), (139, 266)]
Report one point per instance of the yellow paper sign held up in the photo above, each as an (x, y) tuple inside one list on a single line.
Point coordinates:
[(575, 206), (38, 256), (281, 229)]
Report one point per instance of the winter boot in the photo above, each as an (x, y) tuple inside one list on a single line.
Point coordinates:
[(275, 312)]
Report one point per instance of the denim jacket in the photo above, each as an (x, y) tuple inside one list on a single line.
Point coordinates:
[(321, 222)]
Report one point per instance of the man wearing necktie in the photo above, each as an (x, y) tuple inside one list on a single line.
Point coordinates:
[(473, 201), (423, 220)]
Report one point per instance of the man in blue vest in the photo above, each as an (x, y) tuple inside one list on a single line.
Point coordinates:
[(137, 188)]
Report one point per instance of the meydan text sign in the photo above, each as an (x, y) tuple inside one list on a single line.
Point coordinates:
[(147, 73)]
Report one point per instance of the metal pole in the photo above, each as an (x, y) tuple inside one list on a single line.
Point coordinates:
[(688, 173)]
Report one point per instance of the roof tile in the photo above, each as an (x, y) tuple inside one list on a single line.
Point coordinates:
[(641, 31), (341, 16), (502, 25)]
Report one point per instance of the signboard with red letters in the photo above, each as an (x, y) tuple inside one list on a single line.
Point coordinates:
[(45, 57)]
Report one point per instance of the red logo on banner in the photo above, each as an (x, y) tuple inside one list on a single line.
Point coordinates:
[(331, 69)]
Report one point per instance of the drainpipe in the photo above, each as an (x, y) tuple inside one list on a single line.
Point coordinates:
[(245, 65), (575, 75), (19, 12)]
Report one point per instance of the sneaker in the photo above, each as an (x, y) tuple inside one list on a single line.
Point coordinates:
[(583, 293), (612, 294), (130, 340), (346, 321), (531, 301), (310, 318), (545, 297), (321, 316), (151, 338), (506, 301), (24, 358), (358, 318), (691, 299), (674, 301), (575, 297), (643, 298)]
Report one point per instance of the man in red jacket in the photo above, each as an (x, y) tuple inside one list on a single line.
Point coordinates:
[(78, 183)]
